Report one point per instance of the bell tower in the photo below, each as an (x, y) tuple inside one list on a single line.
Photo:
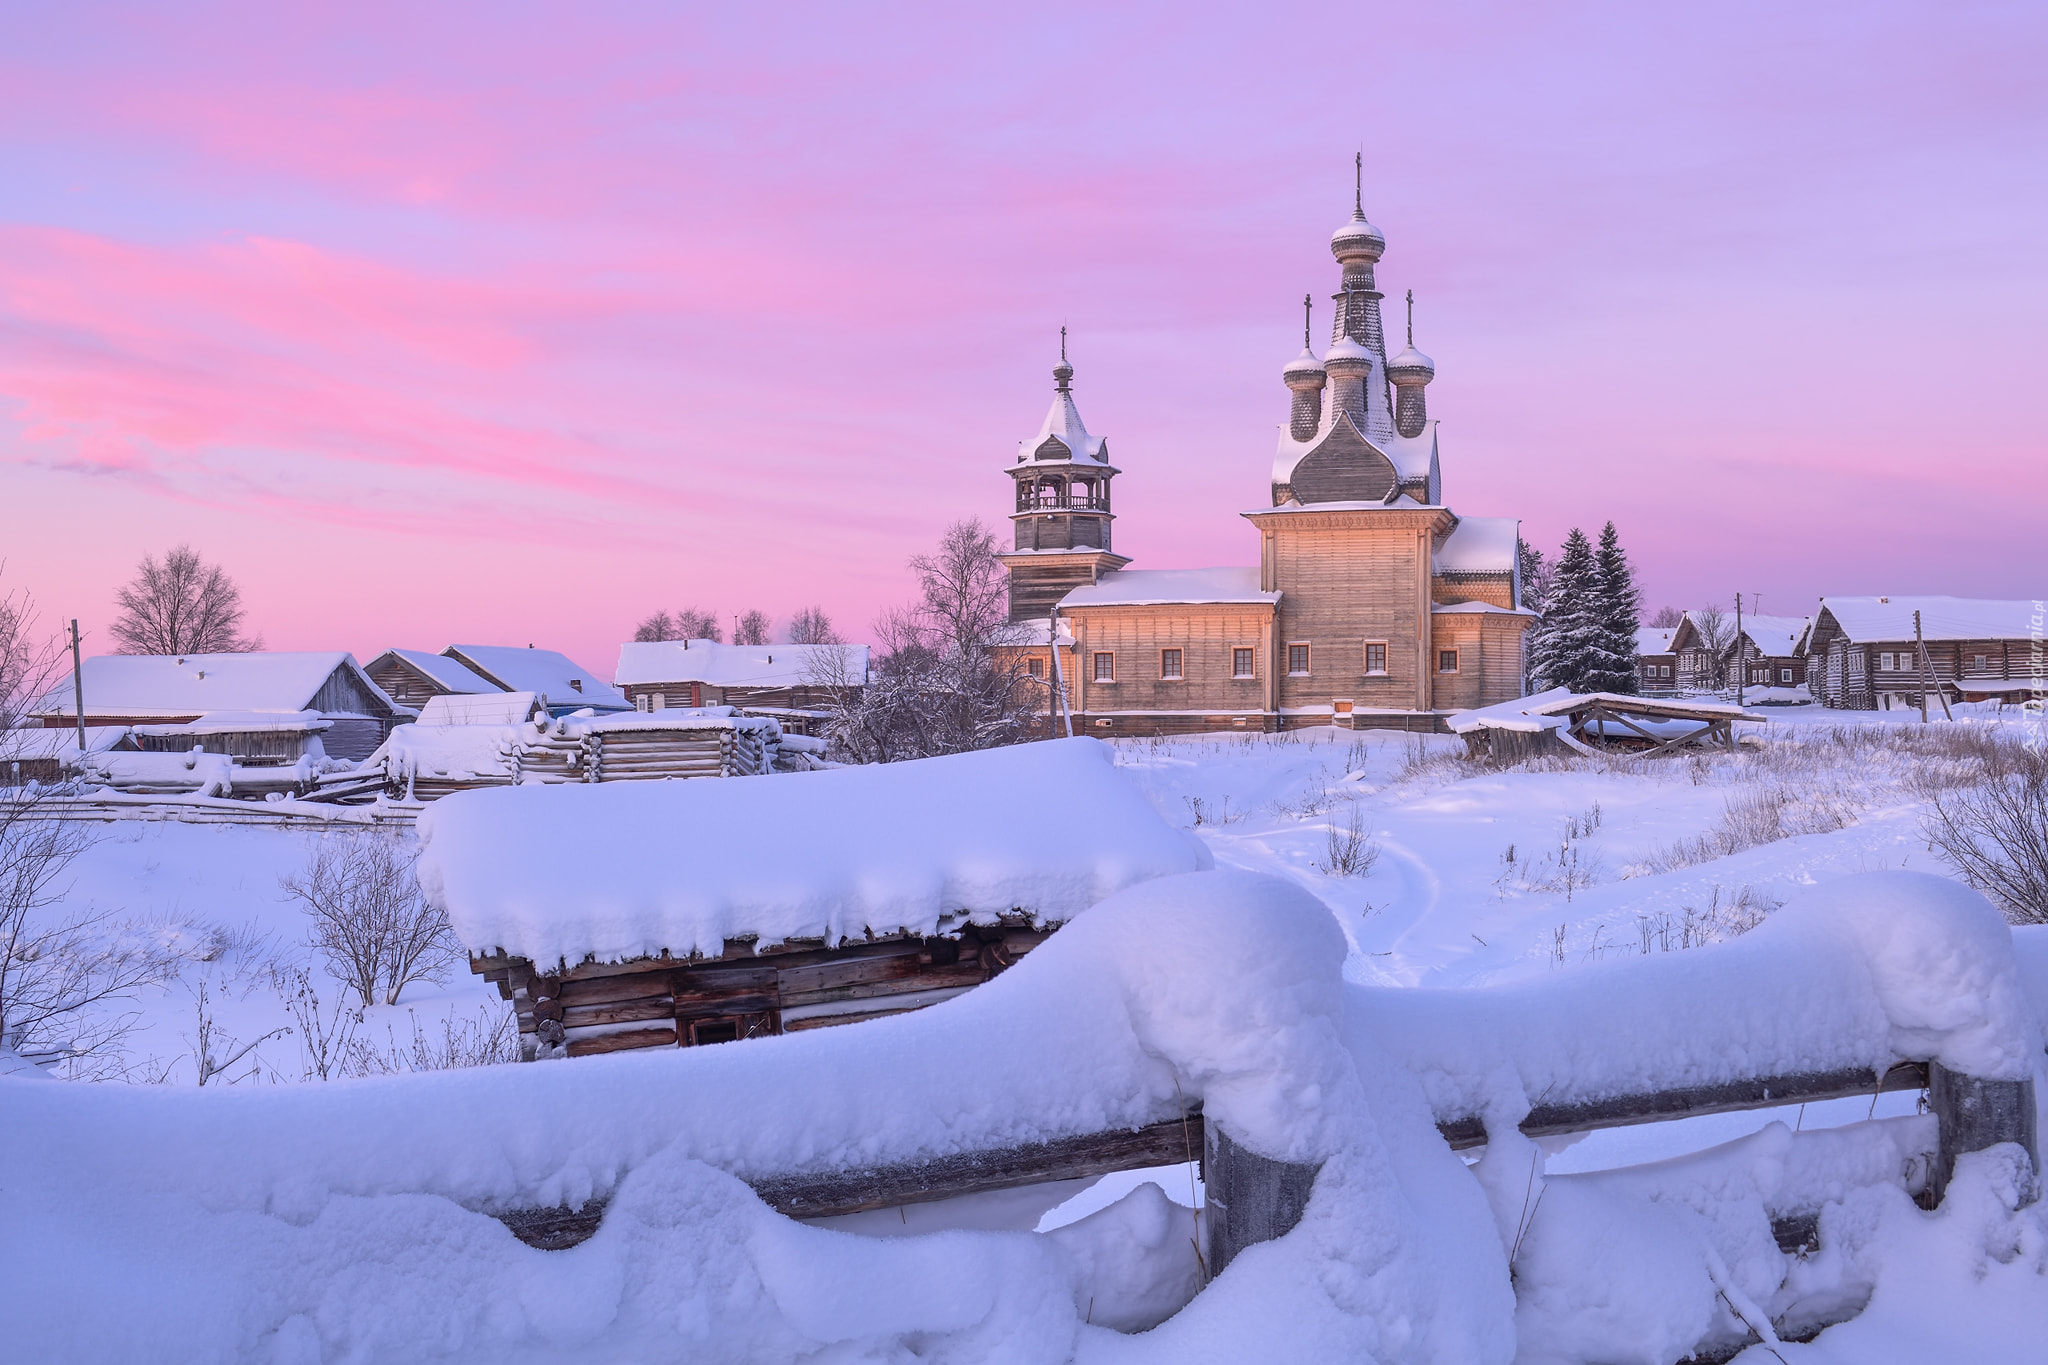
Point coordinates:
[(1061, 525)]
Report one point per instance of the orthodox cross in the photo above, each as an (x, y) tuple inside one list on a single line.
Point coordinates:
[(1307, 319), (1063, 345), (1411, 317), (1358, 186)]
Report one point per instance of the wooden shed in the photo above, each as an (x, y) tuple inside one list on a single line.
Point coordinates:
[(663, 914)]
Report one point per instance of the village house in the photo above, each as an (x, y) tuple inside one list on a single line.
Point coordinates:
[(1767, 653), (1878, 653), (567, 685), (788, 682), (1373, 604), (258, 709), (414, 677), (1656, 661)]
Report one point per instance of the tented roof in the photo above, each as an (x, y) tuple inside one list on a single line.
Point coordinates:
[(557, 677), (1148, 587), (145, 686), (1941, 618), (1063, 420), (643, 663), (1040, 830)]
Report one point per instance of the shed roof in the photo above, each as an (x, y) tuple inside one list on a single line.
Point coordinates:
[(494, 708), (1941, 618), (146, 686), (881, 849), (1654, 640), (1151, 587), (1479, 545), (642, 663)]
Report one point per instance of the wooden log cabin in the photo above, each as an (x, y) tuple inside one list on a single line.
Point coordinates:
[(694, 913), (1864, 653)]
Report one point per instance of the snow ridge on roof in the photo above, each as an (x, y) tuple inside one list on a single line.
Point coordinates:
[(1479, 545), (642, 663), (833, 855), (1148, 587), (1941, 618)]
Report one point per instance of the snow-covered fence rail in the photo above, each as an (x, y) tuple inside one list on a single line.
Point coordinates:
[(107, 806)]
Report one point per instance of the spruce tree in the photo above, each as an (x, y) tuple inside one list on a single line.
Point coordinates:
[(1617, 616), (1563, 652)]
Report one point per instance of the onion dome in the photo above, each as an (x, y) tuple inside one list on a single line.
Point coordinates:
[(1356, 239), (1304, 369), (1411, 367), (1346, 358)]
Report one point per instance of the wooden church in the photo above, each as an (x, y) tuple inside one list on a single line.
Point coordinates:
[(1372, 604)]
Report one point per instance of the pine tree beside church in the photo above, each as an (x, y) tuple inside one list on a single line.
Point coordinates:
[(1563, 654), (1618, 613)]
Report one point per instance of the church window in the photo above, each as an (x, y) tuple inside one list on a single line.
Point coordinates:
[(1169, 664), (1447, 661), (1244, 663), (1105, 666), (1376, 656), (1297, 661)]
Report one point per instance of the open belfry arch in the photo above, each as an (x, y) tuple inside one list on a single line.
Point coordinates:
[(1373, 603)]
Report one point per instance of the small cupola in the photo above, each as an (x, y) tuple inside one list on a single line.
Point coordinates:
[(1411, 372), (1305, 378)]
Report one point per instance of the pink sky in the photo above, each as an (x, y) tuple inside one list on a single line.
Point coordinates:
[(497, 324)]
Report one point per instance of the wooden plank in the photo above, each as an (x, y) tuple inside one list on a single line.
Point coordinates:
[(1550, 1120), (622, 1041), (931, 978), (851, 972), (622, 1012)]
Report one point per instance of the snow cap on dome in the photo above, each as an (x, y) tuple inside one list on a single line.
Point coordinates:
[(1304, 364), (1347, 351), (1412, 365)]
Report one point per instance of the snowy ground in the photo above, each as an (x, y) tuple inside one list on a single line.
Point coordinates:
[(1458, 877)]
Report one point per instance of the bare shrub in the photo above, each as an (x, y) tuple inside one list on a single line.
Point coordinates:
[(489, 1039), (1350, 851), (58, 966), (215, 1051), (1996, 835), (325, 1035), (369, 920)]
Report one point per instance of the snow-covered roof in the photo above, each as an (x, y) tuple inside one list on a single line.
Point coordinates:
[(718, 665), (1414, 457), (1148, 587), (1479, 545), (1030, 631), (23, 744), (1941, 618), (1777, 636), (1654, 640), (238, 723), (1063, 422), (493, 708), (167, 686), (1475, 609), (1045, 829), (446, 671), (555, 676)]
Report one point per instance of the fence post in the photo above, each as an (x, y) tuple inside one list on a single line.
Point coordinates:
[(1248, 1198), (1974, 1114)]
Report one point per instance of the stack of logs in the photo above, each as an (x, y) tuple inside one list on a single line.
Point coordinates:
[(744, 993), (742, 749)]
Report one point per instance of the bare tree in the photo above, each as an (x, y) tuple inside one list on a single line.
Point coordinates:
[(377, 932), (752, 628), (31, 661), (180, 605), (939, 687), (1996, 834), (687, 623), (1667, 618), (811, 626), (1708, 665)]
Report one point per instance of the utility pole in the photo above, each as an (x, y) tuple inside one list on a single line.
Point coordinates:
[(78, 686), (1059, 680), (1741, 664), (1926, 670)]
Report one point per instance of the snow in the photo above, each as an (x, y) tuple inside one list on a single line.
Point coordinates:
[(28, 743), (1518, 713), (239, 723), (1320, 1016), (1148, 587), (557, 677), (1479, 545), (1873, 619), (491, 708), (1475, 609), (1033, 630), (1654, 640), (563, 873), (1775, 636), (1063, 423), (181, 687), (457, 752), (719, 665), (442, 669)]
